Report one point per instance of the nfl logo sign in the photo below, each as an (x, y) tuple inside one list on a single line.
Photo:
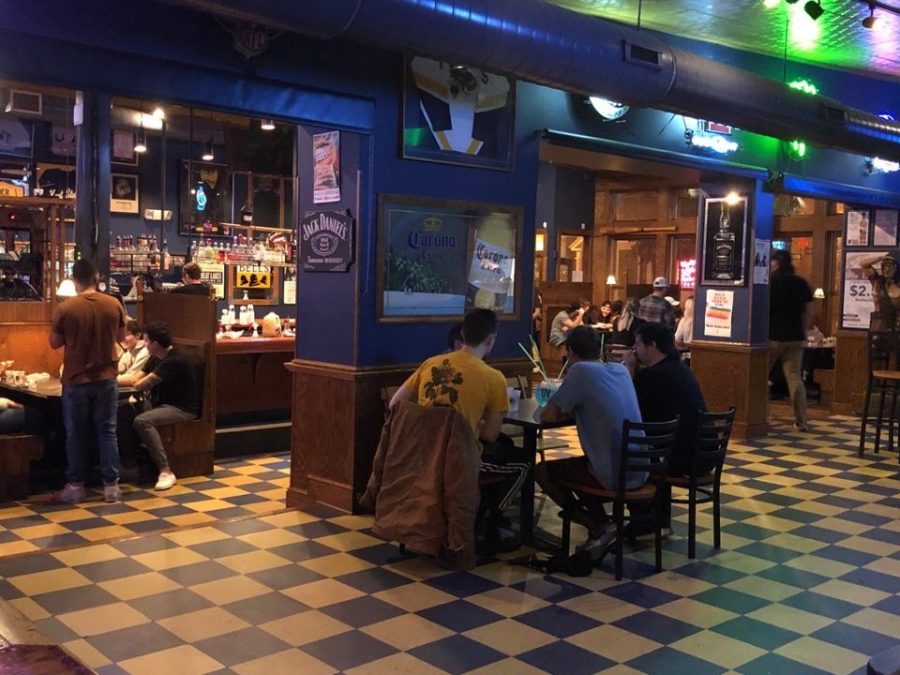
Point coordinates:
[(250, 40)]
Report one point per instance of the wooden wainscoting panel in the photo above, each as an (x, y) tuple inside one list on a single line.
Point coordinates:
[(336, 421), (737, 375), (850, 372)]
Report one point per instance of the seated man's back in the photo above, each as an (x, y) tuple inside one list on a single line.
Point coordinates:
[(461, 380)]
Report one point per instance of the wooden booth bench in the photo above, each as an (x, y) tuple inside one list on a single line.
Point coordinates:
[(190, 445)]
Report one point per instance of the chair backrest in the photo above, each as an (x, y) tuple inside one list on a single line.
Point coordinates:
[(713, 434), (518, 382), (646, 447), (387, 393), (882, 350)]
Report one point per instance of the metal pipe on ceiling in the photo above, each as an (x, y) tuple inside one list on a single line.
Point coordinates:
[(541, 42)]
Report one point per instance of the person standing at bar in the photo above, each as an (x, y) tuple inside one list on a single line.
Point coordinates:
[(789, 319), (89, 326), (193, 284)]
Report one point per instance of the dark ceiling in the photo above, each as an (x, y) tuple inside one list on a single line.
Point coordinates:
[(837, 39)]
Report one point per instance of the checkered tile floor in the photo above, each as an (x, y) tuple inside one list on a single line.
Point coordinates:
[(243, 488), (808, 581)]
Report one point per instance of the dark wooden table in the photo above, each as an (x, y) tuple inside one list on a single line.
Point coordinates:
[(527, 416)]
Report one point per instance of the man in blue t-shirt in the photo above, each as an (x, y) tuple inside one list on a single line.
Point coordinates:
[(600, 396)]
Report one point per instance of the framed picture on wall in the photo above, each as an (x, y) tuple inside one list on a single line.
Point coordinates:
[(857, 228), (123, 147), (724, 241), (439, 258), (124, 196), (205, 199), (56, 181), (16, 137), (457, 114), (885, 227), (260, 283)]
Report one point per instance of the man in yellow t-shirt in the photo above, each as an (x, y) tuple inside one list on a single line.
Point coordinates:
[(463, 380)]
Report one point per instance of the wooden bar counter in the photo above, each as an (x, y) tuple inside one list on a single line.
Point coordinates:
[(251, 375)]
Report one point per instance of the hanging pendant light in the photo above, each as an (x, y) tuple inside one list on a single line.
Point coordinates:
[(209, 153), (267, 125), (140, 144)]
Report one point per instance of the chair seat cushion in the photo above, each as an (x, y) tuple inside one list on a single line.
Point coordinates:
[(646, 492), (684, 481)]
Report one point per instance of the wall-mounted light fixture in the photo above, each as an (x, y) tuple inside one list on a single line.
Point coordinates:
[(267, 125), (611, 280), (66, 289), (819, 294), (209, 154)]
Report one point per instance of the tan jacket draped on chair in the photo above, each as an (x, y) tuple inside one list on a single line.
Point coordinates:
[(424, 483)]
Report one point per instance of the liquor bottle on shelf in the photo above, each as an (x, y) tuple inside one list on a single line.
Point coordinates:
[(723, 247)]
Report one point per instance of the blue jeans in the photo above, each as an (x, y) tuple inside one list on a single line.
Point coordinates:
[(90, 409)]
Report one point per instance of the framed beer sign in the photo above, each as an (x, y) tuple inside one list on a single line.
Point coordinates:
[(259, 284), (724, 243), (439, 258)]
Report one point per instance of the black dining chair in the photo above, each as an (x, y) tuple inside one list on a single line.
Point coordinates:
[(705, 477), (646, 447), (883, 381)]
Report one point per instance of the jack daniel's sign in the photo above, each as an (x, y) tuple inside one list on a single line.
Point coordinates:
[(326, 241)]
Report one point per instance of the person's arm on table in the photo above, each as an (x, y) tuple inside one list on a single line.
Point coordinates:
[(148, 381), (553, 413), (490, 426)]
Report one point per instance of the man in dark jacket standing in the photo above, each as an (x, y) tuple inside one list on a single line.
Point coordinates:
[(789, 319)]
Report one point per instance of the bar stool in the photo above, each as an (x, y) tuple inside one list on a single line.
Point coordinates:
[(884, 379)]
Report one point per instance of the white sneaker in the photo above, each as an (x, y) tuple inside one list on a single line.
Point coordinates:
[(72, 493), (166, 480), (111, 493), (597, 546)]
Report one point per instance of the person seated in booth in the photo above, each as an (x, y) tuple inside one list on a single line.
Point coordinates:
[(174, 381), (600, 396), (461, 379), (666, 387), (565, 320), (12, 416), (193, 285), (134, 355)]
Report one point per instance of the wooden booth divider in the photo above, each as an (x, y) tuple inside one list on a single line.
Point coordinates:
[(190, 446)]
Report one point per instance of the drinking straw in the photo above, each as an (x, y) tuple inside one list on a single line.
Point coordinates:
[(535, 363), (562, 370), (538, 352)]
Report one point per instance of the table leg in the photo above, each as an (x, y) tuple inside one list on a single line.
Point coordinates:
[(526, 509)]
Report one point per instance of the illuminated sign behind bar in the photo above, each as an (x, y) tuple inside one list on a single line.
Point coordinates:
[(713, 142)]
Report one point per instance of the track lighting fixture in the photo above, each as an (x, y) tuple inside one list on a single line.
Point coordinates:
[(814, 10), (208, 152), (870, 21), (267, 125)]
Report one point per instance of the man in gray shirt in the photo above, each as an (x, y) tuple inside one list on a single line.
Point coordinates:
[(600, 396)]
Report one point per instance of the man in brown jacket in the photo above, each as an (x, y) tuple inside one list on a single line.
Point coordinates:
[(89, 326)]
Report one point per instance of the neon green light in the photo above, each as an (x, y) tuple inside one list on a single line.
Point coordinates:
[(804, 86), (797, 149), (769, 4), (803, 32)]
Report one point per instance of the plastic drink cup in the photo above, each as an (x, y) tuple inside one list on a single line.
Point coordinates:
[(546, 389)]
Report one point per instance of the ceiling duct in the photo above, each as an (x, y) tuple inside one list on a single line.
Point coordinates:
[(540, 42)]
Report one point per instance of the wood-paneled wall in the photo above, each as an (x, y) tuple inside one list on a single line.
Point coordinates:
[(744, 386), (24, 329), (336, 422)]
